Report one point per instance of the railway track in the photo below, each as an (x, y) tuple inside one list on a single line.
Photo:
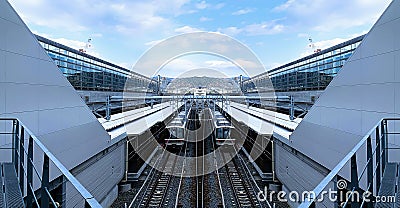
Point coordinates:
[(244, 194), (154, 192), (230, 186)]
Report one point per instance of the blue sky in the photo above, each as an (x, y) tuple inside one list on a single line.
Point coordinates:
[(276, 30)]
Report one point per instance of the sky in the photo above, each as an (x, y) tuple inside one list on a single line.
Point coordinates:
[(277, 31)]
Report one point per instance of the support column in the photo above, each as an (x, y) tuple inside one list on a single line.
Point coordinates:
[(370, 172), (16, 145), (29, 191), (354, 180), (21, 160), (45, 183), (383, 146), (378, 160)]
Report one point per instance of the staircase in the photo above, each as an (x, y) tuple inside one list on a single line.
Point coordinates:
[(10, 192), (388, 186)]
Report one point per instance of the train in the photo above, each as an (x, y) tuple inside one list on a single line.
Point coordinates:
[(223, 129), (177, 131)]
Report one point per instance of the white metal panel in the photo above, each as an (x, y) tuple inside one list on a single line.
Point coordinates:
[(129, 116), (383, 62), (389, 16), (2, 95), (397, 63), (297, 174), (343, 77), (380, 40), (139, 126), (39, 95), (99, 183), (8, 14), (337, 113), (16, 101)]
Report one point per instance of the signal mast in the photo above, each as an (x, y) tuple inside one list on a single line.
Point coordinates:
[(87, 46)]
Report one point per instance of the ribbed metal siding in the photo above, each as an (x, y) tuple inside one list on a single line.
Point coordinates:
[(100, 177), (298, 174)]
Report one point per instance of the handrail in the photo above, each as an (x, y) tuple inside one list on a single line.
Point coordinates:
[(335, 171), (89, 198), (71, 178)]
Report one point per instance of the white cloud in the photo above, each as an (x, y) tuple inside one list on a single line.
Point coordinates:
[(232, 31), (284, 6), (202, 5), (219, 6), (324, 44), (219, 64), (242, 11), (127, 17), (273, 65), (154, 42), (303, 35), (187, 29), (326, 15), (125, 65), (263, 28), (205, 19)]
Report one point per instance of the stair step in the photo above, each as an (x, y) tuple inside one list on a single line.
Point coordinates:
[(13, 196), (398, 188), (2, 205), (388, 184)]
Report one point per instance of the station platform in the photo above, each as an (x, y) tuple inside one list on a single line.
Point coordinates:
[(262, 120), (136, 121)]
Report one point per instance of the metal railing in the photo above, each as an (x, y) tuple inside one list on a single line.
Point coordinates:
[(34, 180), (377, 156)]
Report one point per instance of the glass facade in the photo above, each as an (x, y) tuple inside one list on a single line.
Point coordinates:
[(86, 72), (313, 72)]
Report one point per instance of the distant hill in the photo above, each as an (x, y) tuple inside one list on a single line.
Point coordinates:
[(212, 84)]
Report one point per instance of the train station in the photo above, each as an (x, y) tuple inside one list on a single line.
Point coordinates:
[(77, 130)]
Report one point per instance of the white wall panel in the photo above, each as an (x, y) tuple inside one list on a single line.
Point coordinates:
[(397, 64), (21, 98), (19, 40), (352, 77), (100, 183), (378, 98), (389, 16), (3, 24), (66, 98), (2, 95), (378, 69), (380, 40), (365, 91), (34, 90), (8, 14), (397, 97), (397, 33)]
